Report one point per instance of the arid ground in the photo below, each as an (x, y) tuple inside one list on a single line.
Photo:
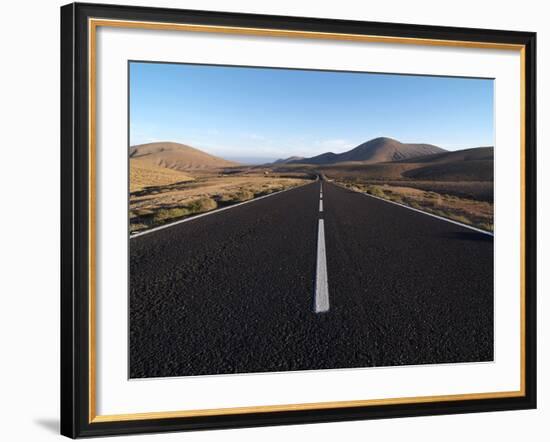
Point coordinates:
[(171, 181), (457, 185)]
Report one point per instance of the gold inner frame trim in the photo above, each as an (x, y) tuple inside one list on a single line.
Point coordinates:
[(299, 34), (93, 24)]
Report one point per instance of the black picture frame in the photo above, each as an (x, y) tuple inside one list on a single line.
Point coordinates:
[(75, 220)]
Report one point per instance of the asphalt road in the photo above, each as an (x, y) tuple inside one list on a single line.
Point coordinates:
[(239, 290)]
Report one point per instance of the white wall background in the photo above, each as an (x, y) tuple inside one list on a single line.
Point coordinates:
[(29, 221)]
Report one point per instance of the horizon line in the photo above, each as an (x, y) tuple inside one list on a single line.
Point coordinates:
[(277, 158)]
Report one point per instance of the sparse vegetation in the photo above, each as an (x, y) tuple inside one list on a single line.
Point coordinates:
[(141, 219), (168, 214), (170, 181), (143, 175), (464, 210), (158, 205), (236, 197)]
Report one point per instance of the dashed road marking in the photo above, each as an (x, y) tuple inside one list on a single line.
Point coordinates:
[(321, 280)]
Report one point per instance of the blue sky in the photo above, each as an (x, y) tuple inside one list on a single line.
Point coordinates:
[(257, 114)]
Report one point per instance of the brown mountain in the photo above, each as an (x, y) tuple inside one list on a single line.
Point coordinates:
[(145, 174), (293, 159), (471, 154), (176, 156), (377, 150), (475, 164)]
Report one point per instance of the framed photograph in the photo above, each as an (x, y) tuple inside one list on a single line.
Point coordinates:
[(276, 220)]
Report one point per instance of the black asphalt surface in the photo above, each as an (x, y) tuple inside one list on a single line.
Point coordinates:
[(233, 292)]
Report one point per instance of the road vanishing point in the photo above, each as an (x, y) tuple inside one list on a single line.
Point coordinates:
[(317, 277)]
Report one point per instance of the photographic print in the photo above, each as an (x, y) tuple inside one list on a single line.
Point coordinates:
[(291, 219), (271, 220)]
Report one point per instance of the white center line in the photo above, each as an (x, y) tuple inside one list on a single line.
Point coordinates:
[(320, 205), (321, 282)]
